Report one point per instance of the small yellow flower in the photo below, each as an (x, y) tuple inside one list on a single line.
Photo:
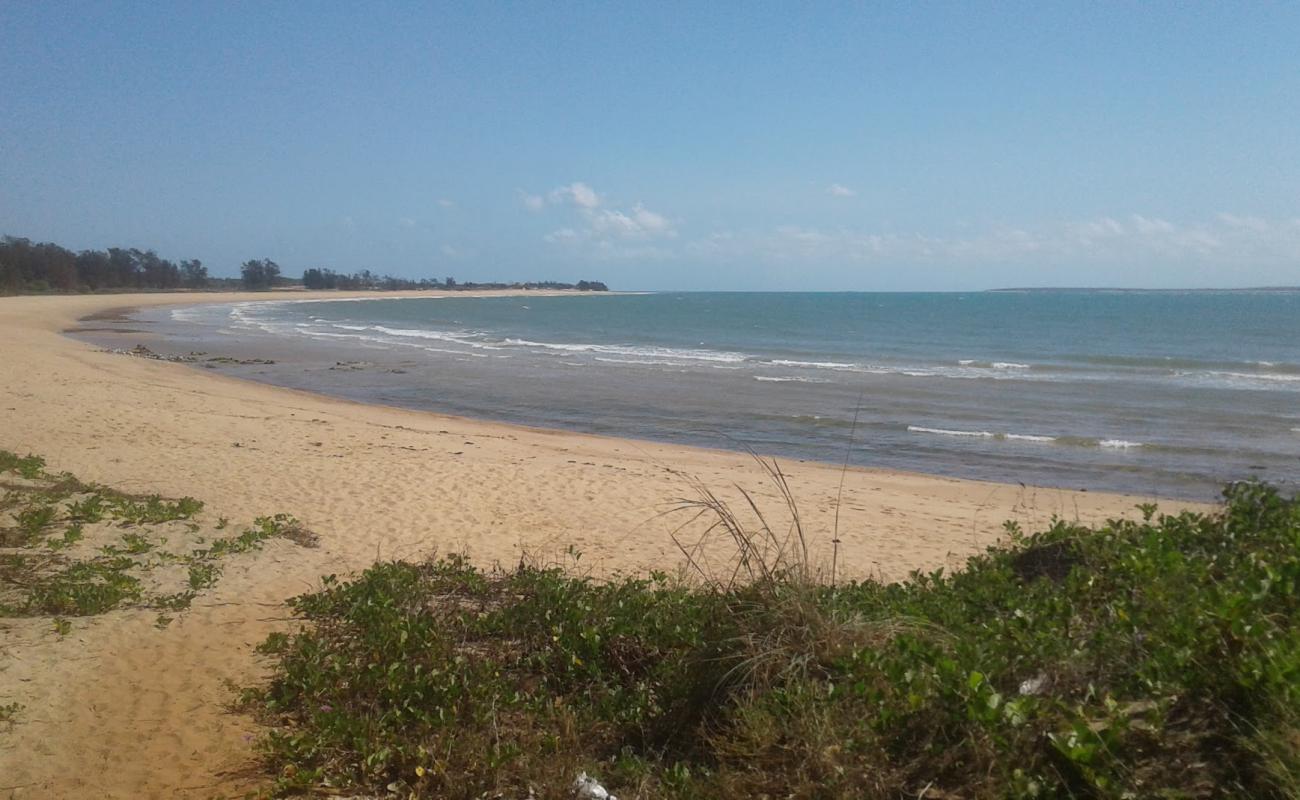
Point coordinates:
[(419, 771)]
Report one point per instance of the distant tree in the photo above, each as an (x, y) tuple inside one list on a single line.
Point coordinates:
[(123, 265), (259, 275), (59, 266), (193, 274), (94, 269), (27, 266), (156, 272)]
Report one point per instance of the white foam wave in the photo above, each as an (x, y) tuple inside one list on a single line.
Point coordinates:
[(1029, 437), (643, 361), (424, 333), (972, 362), (788, 379), (1261, 376), (840, 365), (948, 432), (186, 314), (1025, 437), (611, 353), (1021, 437), (647, 352), (1261, 381), (314, 334)]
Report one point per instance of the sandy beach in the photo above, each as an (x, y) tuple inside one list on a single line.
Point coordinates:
[(119, 708)]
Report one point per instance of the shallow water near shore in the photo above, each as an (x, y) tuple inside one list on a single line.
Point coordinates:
[(1161, 394)]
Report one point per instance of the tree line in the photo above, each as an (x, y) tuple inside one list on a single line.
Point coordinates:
[(27, 266), (365, 279)]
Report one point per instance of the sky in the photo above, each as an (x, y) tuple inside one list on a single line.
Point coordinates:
[(740, 146)]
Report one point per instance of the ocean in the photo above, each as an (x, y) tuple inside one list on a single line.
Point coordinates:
[(1162, 394)]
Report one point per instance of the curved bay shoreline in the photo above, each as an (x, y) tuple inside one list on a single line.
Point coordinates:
[(141, 711)]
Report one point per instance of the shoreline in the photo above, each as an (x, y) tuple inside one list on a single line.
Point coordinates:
[(72, 310), (124, 314), (1075, 461)]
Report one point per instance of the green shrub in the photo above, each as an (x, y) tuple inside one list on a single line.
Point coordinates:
[(71, 536), (90, 510), (33, 519), (204, 575), (152, 510), (1154, 658), (29, 466), (86, 588)]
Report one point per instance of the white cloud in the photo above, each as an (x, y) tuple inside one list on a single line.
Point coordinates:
[(532, 202), (599, 230), (577, 193), (615, 223), (446, 203), (1147, 226), (840, 190), (406, 222), (1137, 240), (563, 236), (1133, 244), (651, 222), (1096, 229), (1255, 224), (638, 223)]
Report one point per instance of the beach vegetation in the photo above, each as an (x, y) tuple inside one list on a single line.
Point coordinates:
[(204, 575), (33, 519), (93, 566), (151, 509), (90, 510), (71, 536), (85, 588), (28, 466), (1152, 657)]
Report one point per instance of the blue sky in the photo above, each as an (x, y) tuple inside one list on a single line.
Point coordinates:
[(663, 145)]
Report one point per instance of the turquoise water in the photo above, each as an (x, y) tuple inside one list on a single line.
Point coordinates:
[(1160, 393)]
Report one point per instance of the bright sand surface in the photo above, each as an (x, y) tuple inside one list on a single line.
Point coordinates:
[(120, 708)]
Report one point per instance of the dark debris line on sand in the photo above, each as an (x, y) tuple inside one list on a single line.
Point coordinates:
[(141, 351)]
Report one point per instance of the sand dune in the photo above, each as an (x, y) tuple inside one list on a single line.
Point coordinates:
[(122, 709)]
